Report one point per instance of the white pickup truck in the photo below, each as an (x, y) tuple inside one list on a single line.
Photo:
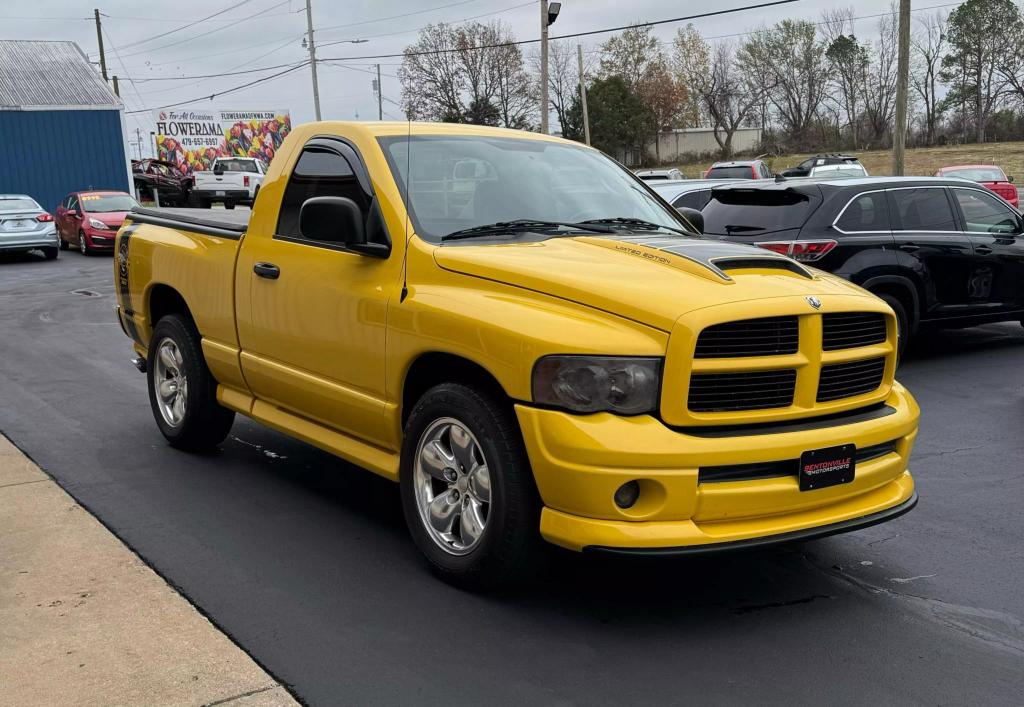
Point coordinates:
[(231, 180)]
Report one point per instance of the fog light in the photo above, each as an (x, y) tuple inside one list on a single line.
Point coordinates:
[(627, 494)]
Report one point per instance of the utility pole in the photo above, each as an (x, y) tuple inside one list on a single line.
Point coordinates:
[(99, 40), (583, 95), (899, 137), (312, 59), (138, 140), (380, 97), (548, 15), (117, 91)]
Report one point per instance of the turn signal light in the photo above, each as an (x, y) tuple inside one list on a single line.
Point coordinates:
[(44, 218)]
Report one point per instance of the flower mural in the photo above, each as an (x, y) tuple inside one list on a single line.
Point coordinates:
[(194, 139)]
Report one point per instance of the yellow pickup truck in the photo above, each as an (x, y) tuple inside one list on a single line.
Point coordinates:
[(529, 341)]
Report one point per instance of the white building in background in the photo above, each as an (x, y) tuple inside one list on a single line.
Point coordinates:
[(682, 144)]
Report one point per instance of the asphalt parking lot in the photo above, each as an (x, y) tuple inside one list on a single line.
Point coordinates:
[(304, 560)]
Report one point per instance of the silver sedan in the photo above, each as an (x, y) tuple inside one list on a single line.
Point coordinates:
[(25, 226)]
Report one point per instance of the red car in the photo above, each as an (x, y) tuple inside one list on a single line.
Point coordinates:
[(90, 219), (991, 177), (738, 169)]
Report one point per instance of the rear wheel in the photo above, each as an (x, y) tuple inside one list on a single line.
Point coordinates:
[(83, 247), (467, 488), (902, 324), (182, 391), (64, 245), (229, 204), (51, 252)]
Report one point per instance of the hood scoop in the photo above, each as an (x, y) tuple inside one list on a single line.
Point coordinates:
[(714, 255)]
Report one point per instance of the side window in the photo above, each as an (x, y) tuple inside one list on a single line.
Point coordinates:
[(320, 171), (868, 212), (73, 204), (921, 210), (694, 199), (984, 213), (765, 172)]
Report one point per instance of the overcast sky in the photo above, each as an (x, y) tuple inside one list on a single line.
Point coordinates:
[(259, 33)]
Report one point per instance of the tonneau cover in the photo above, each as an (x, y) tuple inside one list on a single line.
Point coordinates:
[(236, 220)]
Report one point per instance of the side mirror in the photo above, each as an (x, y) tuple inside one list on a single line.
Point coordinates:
[(693, 217), (218, 169), (332, 219), (71, 212), (1009, 178)]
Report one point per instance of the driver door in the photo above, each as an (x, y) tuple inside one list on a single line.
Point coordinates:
[(312, 332)]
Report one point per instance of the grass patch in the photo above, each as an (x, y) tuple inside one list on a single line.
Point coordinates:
[(920, 161)]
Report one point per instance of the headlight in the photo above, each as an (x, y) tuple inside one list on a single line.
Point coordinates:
[(628, 386), (97, 224)]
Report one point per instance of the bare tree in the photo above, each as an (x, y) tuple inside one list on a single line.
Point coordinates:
[(563, 78), (471, 73), (791, 60), (928, 45), (727, 93), (880, 79), (631, 55)]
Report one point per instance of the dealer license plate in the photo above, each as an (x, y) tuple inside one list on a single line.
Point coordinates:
[(820, 468)]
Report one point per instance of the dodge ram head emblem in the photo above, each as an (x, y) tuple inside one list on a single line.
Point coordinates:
[(814, 302)]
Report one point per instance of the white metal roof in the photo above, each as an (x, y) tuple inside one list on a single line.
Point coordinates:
[(50, 75)]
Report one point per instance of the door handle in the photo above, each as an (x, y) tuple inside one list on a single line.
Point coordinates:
[(983, 250), (267, 270), (910, 248)]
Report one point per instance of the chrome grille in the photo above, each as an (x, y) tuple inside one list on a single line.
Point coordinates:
[(847, 330), (845, 380), (755, 390), (768, 336)]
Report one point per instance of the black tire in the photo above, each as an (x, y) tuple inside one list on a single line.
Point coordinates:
[(229, 204), (83, 246), (64, 245), (51, 252), (510, 547), (902, 324), (205, 422)]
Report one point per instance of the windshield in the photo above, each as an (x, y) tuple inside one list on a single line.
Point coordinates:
[(460, 182), (745, 172), (751, 212), (978, 174), (237, 165), (107, 203), (19, 203)]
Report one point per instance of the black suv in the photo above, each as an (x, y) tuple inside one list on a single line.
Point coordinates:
[(804, 168), (940, 252)]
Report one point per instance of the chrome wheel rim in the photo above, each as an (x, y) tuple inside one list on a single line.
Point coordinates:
[(453, 486), (81, 243), (170, 383)]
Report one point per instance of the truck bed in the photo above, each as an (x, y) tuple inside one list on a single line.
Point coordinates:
[(230, 223)]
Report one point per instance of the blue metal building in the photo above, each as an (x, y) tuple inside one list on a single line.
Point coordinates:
[(61, 127)]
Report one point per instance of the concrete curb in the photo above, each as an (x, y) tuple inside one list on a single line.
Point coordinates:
[(84, 620)]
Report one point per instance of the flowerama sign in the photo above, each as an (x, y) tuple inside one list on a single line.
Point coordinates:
[(193, 139)]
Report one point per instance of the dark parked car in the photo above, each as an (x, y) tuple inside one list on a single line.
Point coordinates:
[(941, 252), (825, 159), (163, 178)]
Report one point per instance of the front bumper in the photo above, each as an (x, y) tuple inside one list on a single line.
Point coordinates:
[(579, 461), (100, 240)]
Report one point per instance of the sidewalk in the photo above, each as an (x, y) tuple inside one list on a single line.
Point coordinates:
[(84, 621)]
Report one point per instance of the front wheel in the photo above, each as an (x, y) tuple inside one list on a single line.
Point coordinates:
[(182, 391), (83, 247), (467, 488)]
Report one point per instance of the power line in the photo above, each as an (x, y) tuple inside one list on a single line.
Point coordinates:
[(206, 34), (211, 96), (395, 17), (185, 26), (418, 29), (520, 42)]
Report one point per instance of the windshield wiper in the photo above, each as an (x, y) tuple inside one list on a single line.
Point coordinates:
[(638, 223), (739, 228), (504, 227)]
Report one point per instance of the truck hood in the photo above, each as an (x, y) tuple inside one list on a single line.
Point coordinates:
[(649, 279)]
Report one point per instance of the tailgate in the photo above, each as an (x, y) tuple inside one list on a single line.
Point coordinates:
[(228, 180)]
